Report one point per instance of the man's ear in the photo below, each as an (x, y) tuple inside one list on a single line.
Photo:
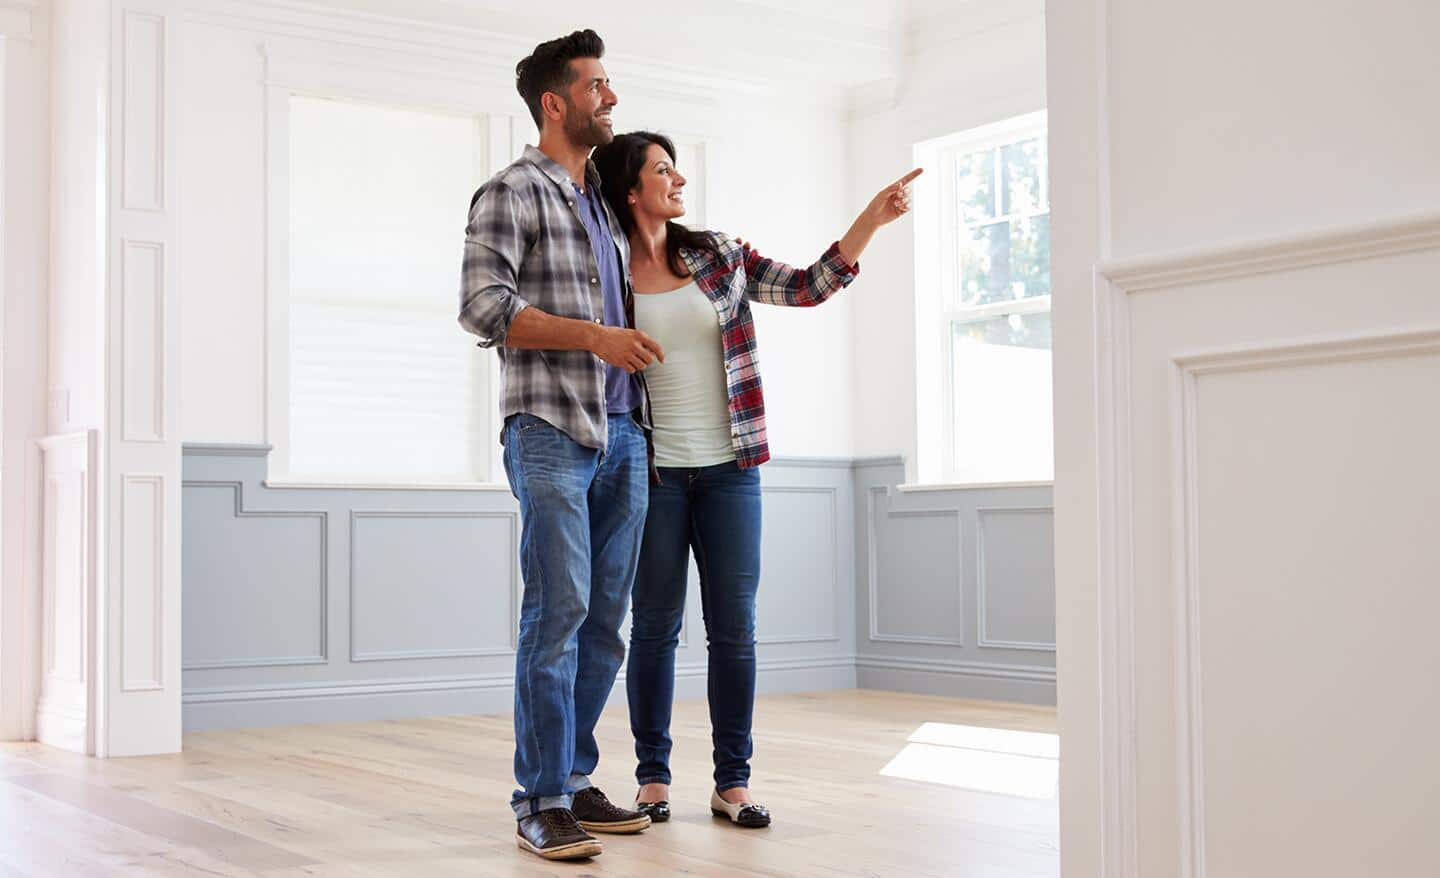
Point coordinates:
[(552, 106)]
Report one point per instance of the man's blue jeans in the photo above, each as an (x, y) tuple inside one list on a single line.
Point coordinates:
[(714, 511), (581, 518)]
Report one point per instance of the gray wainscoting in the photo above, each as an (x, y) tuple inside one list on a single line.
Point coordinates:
[(955, 588), (338, 604)]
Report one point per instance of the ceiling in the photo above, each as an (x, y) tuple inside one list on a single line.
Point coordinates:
[(833, 45)]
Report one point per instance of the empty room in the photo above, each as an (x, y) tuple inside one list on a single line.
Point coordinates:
[(924, 438)]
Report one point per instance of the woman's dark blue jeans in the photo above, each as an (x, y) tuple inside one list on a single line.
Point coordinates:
[(713, 511)]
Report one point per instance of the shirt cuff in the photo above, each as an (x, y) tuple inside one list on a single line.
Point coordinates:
[(839, 265)]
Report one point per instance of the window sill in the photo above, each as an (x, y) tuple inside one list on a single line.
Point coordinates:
[(969, 486), (361, 484)]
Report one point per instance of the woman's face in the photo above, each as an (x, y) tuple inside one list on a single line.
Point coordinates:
[(657, 194)]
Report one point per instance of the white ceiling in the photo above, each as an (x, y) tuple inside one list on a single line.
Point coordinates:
[(832, 45)]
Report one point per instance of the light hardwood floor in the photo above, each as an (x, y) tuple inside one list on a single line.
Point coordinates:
[(427, 797)]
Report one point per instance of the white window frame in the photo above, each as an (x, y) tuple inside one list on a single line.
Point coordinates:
[(433, 85), (420, 90), (937, 273)]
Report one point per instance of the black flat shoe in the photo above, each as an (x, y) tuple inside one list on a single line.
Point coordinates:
[(659, 811), (747, 814)]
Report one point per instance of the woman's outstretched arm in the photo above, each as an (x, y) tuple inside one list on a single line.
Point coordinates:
[(776, 283)]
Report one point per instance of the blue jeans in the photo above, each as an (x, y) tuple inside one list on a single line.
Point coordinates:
[(581, 518), (714, 511)]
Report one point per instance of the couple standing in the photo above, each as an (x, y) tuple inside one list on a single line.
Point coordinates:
[(634, 423)]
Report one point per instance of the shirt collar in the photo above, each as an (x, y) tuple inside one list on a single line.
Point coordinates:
[(557, 173)]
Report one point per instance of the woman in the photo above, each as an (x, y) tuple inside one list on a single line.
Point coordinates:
[(692, 296)]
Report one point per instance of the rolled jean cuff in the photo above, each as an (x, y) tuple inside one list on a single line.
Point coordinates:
[(732, 785), (578, 782), (654, 778), (526, 807)]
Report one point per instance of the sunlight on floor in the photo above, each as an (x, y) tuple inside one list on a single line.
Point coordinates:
[(993, 760)]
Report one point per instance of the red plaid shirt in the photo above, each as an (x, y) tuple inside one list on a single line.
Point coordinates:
[(730, 282)]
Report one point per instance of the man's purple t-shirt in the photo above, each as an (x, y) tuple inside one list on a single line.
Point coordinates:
[(620, 393)]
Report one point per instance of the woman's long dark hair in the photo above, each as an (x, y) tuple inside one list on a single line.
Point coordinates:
[(619, 163)]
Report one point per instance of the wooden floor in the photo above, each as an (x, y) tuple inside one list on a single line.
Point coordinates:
[(427, 797)]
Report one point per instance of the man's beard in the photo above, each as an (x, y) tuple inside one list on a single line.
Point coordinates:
[(586, 130)]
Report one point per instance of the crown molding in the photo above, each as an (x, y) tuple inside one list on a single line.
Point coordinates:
[(1360, 241), (468, 53)]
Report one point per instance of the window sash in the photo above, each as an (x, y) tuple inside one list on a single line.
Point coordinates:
[(952, 227)]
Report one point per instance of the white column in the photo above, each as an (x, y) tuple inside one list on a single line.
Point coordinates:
[(140, 622)]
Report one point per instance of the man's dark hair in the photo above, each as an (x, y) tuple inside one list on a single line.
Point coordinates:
[(548, 68)]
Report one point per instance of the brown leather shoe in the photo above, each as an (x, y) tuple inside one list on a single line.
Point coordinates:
[(554, 835), (598, 814)]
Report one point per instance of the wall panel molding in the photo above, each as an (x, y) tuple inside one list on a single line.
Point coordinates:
[(832, 496), (1118, 283), (142, 592), (322, 520), (514, 588), (404, 674), (983, 666), (1186, 512), (873, 539), (142, 316), (983, 637), (142, 137)]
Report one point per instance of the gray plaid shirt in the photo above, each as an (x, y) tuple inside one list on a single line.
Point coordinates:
[(526, 245)]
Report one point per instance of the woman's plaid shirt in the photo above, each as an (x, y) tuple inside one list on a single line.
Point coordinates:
[(738, 276)]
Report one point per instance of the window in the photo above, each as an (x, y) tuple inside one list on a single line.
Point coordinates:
[(991, 264), (383, 384)]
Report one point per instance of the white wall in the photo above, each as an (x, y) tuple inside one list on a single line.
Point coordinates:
[(79, 95), (775, 177), (1244, 625), (24, 164), (969, 64), (1322, 114)]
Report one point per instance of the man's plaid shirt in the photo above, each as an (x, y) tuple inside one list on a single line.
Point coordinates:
[(526, 245), (730, 282)]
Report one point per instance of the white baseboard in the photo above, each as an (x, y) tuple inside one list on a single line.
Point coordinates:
[(990, 682), (299, 704), (60, 725)]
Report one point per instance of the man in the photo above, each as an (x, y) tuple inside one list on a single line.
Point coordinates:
[(545, 281)]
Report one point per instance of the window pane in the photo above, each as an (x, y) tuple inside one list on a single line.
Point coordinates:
[(384, 391), (1005, 261), (1015, 330), (1022, 164), (378, 199), (1000, 370), (383, 383), (975, 186)]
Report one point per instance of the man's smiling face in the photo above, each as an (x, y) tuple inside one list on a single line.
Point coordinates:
[(588, 101)]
